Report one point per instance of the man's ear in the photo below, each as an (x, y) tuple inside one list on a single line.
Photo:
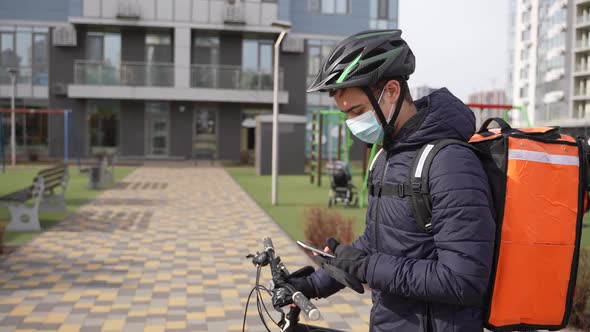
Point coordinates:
[(393, 89)]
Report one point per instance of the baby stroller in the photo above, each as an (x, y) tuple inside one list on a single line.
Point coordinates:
[(341, 188)]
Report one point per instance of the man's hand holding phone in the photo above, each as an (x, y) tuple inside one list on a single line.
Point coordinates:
[(316, 251)]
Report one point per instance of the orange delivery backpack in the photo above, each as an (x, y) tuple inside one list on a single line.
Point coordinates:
[(538, 179)]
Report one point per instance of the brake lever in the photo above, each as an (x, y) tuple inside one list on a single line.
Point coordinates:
[(260, 259)]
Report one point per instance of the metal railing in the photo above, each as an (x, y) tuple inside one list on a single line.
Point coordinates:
[(582, 68), (36, 75), (124, 73), (233, 77)]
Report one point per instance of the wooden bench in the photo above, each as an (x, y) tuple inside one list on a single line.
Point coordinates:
[(47, 193)]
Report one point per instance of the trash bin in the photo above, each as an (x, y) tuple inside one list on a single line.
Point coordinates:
[(95, 178)]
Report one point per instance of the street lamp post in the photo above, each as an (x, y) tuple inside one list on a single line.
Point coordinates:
[(275, 109), (13, 72)]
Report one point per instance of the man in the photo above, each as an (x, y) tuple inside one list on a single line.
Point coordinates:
[(421, 280)]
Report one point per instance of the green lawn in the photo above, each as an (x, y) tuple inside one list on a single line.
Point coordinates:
[(295, 194), (77, 194)]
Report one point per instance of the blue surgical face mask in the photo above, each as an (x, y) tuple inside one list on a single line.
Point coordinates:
[(366, 127)]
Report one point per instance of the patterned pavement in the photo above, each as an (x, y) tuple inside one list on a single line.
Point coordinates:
[(162, 250)]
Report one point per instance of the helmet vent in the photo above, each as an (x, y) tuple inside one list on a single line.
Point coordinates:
[(336, 55), (368, 68), (351, 56)]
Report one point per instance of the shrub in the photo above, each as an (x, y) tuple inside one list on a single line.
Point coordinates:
[(322, 223), (580, 317)]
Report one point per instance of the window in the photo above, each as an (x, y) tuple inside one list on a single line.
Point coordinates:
[(31, 129), (257, 61), (40, 59), (7, 55), (103, 55), (383, 9), (104, 47), (24, 54), (524, 92), (205, 58), (318, 52), (103, 122), (27, 49), (205, 48), (333, 7), (158, 48), (383, 14)]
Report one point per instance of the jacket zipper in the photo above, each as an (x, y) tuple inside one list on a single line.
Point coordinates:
[(376, 230)]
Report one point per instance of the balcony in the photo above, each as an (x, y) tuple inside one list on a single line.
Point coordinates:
[(582, 21), (87, 72), (203, 83), (582, 46), (232, 77)]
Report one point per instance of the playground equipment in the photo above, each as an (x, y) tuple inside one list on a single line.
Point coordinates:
[(317, 132), (506, 108), (68, 130), (330, 119)]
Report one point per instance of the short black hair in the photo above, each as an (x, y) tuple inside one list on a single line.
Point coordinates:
[(378, 87)]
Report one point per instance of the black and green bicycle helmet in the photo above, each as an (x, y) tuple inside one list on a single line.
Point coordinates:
[(364, 59)]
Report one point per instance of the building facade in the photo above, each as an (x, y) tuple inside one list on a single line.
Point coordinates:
[(162, 78), (541, 59), (580, 93)]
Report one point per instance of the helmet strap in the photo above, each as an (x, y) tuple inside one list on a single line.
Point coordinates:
[(388, 128)]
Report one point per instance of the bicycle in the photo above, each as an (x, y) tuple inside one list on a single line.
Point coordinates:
[(282, 294)]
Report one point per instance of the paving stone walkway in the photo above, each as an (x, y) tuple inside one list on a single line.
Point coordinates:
[(162, 250)]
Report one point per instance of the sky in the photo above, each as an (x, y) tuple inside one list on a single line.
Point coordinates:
[(458, 44)]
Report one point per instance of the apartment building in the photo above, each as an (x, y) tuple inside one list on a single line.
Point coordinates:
[(161, 78), (541, 60)]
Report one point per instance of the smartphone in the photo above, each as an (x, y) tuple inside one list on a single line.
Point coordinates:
[(314, 249)]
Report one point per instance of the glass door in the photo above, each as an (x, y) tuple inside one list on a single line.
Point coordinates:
[(158, 129), (205, 130)]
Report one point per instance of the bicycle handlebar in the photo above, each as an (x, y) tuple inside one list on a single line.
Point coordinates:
[(277, 267), (306, 306), (267, 242)]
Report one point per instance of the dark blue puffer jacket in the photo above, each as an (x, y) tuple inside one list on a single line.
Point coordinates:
[(437, 281)]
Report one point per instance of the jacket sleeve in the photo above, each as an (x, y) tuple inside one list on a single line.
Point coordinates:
[(324, 284), (463, 232)]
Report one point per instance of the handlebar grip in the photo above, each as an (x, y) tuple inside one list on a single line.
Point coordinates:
[(267, 242), (306, 306)]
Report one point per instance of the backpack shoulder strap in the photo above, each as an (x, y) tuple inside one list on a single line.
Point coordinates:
[(419, 180)]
